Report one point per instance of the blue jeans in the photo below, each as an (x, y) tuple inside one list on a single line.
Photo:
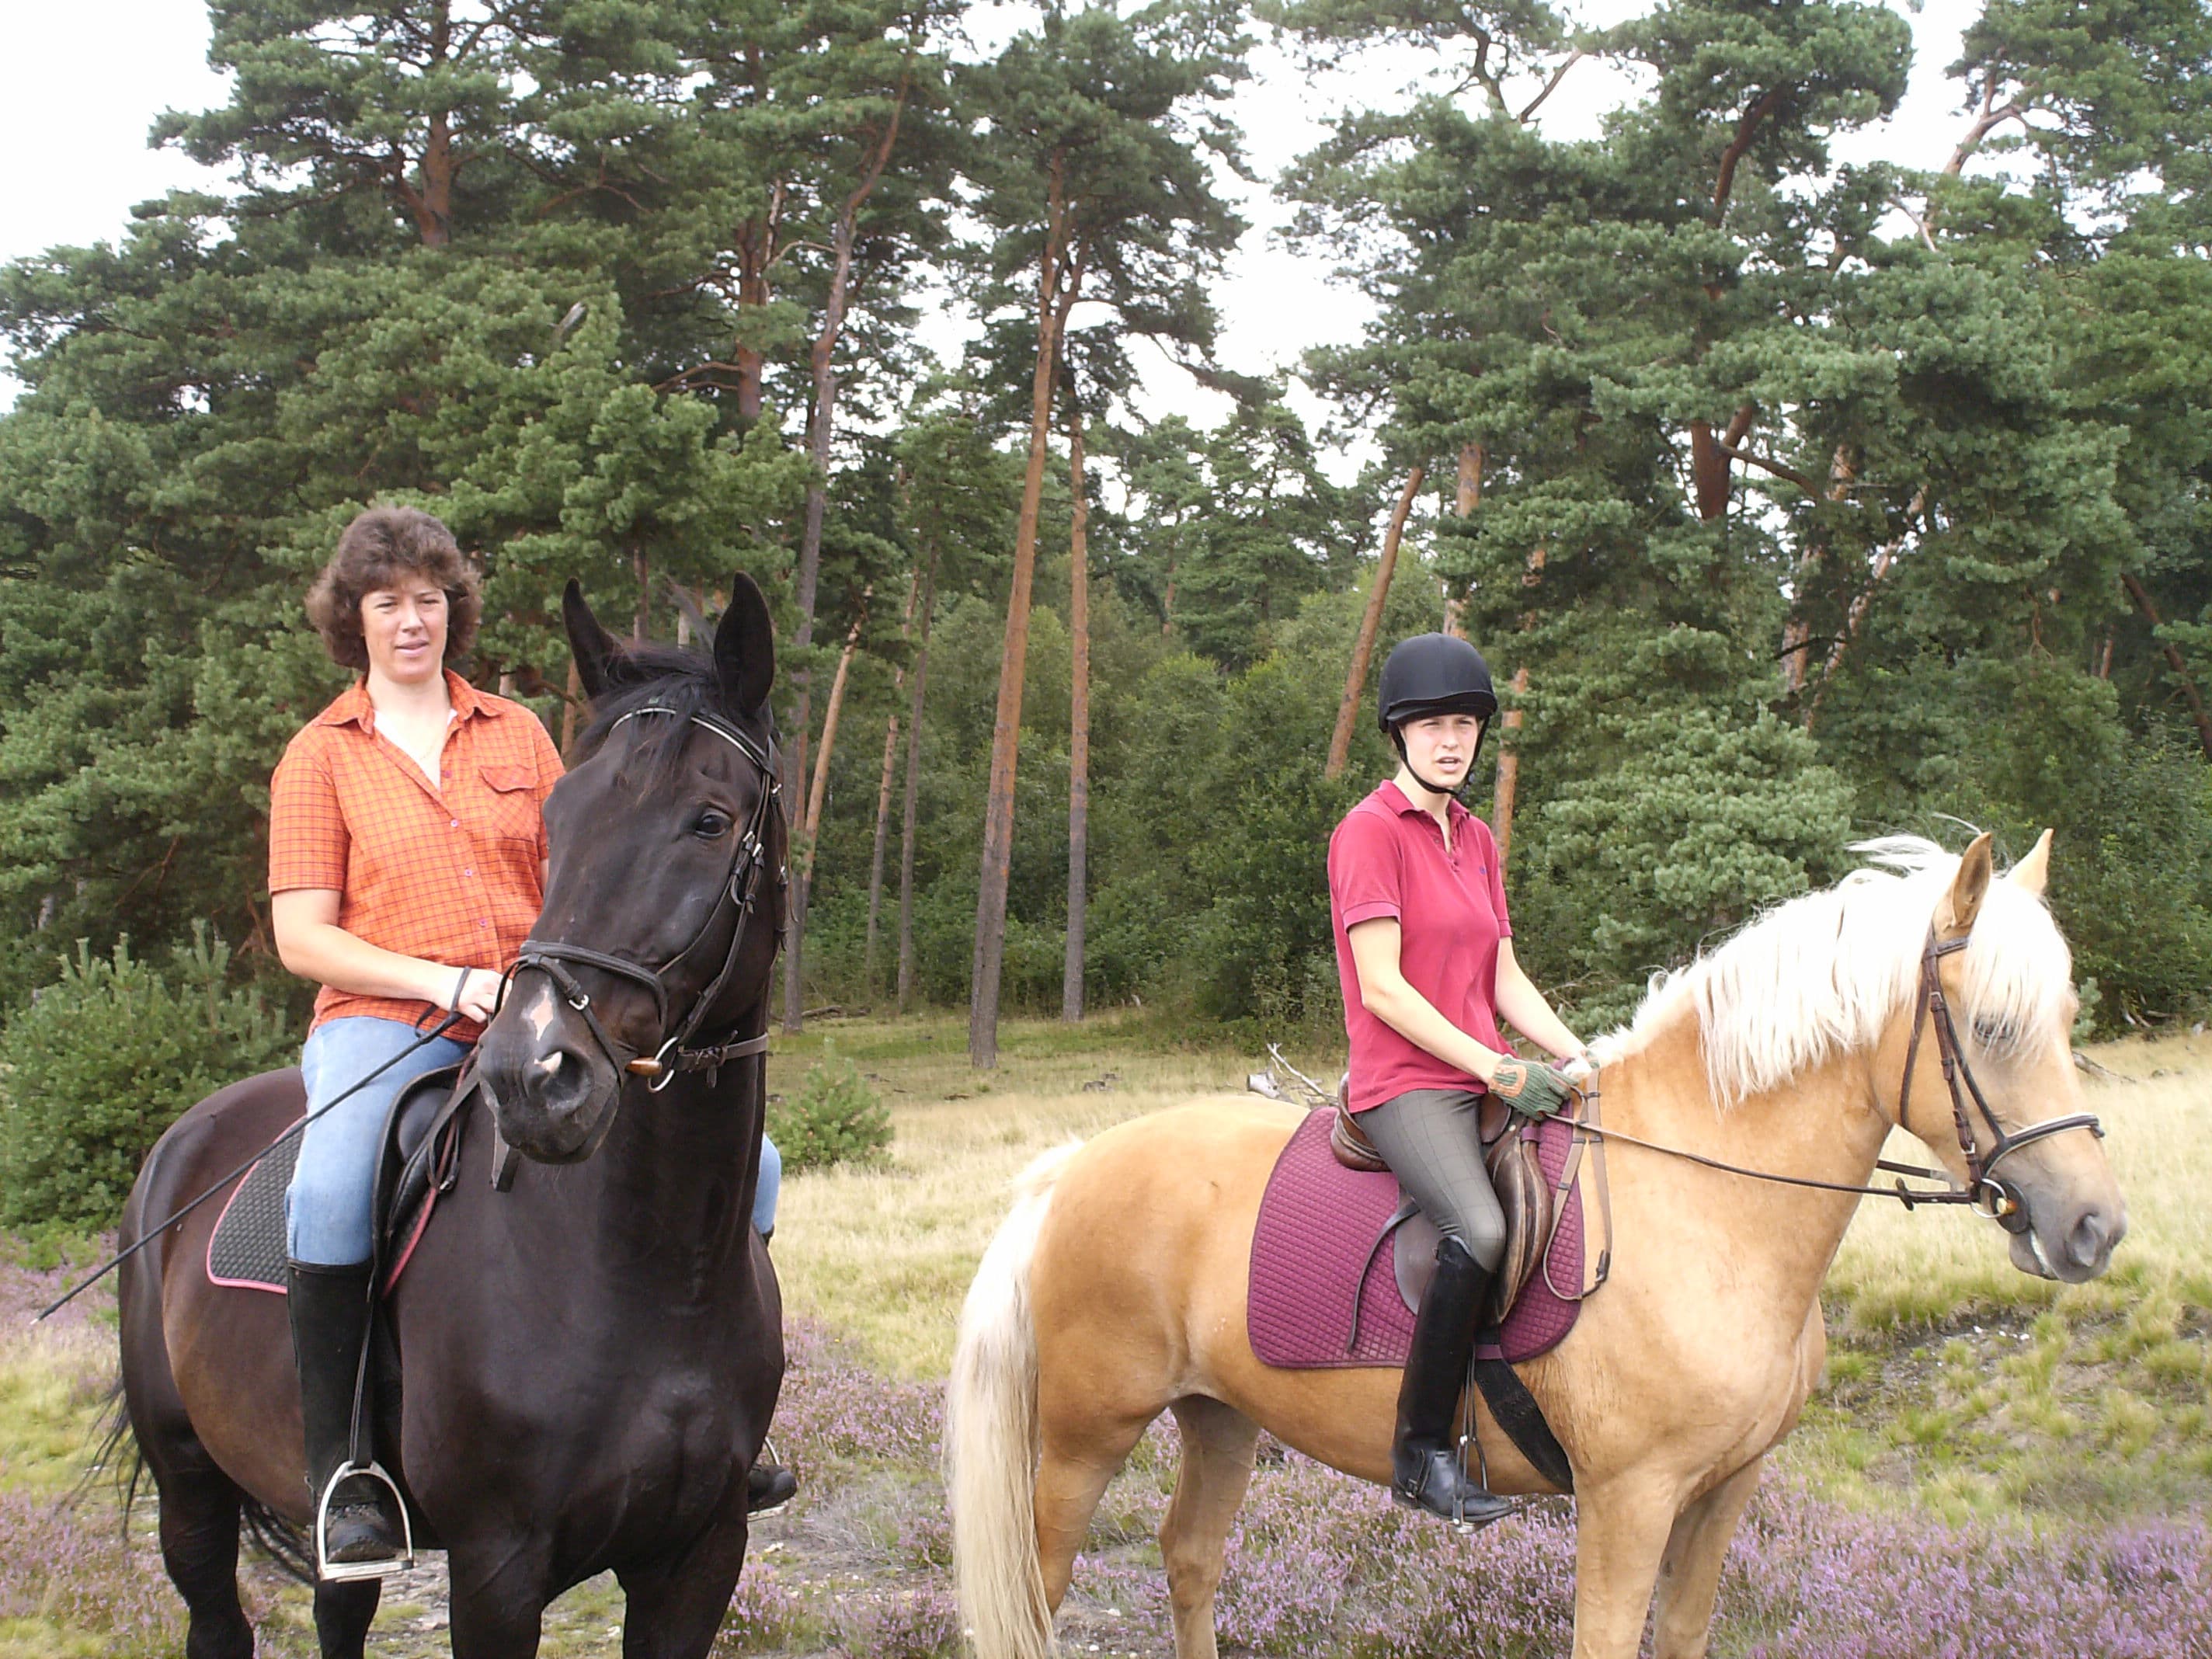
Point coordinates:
[(326, 1209), (771, 1183)]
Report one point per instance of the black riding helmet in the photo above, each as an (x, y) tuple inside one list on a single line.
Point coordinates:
[(1434, 674)]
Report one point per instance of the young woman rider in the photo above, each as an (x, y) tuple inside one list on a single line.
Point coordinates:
[(1424, 953)]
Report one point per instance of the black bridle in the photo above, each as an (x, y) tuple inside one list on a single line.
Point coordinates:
[(1988, 1193), (740, 889)]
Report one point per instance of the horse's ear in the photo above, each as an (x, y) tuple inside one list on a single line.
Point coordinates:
[(744, 647), (596, 651), (2033, 873), (1956, 915)]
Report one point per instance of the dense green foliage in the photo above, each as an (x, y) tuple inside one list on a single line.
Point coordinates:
[(835, 1118), (103, 1060), (1814, 499)]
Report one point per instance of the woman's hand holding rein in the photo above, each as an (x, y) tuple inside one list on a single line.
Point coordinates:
[(476, 994), (1530, 1088)]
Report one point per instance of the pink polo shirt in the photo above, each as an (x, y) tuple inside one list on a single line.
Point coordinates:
[(1387, 859)]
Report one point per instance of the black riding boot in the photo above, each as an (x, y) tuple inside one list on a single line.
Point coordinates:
[(1425, 1465), (330, 1324)]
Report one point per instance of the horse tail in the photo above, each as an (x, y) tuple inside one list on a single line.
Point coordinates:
[(991, 1435)]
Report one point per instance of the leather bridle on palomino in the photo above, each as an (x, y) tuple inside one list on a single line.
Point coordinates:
[(1989, 1194), (740, 889)]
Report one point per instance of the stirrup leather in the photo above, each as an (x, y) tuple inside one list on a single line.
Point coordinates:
[(345, 1573)]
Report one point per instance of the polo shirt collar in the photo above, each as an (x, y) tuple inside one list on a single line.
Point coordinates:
[(353, 707), (1395, 797)]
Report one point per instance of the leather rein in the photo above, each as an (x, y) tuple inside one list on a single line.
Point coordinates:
[(1989, 1194), (740, 889)]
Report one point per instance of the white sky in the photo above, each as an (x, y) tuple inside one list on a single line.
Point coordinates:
[(86, 79)]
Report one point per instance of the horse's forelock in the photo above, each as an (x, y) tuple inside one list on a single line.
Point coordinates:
[(1821, 974), (680, 680)]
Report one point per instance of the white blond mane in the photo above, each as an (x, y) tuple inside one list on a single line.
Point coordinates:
[(1819, 976)]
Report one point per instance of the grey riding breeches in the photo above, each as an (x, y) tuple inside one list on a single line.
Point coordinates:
[(1429, 1140)]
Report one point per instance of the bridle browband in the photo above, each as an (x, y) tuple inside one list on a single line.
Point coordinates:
[(740, 888), (1990, 1195)]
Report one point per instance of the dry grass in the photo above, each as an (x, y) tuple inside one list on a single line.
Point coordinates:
[(884, 1256)]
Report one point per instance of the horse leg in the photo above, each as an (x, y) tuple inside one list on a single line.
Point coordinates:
[(1078, 1455), (342, 1616), (675, 1607), (1621, 1529), (498, 1595), (199, 1548), (1218, 1443), (1690, 1571)]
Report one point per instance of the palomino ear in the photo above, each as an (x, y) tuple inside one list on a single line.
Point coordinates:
[(2033, 872), (1956, 914), (597, 655), (744, 647)]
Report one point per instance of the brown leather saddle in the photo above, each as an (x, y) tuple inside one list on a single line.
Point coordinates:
[(1525, 1197)]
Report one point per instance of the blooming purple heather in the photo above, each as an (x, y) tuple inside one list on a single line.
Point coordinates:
[(69, 1569), (1318, 1563)]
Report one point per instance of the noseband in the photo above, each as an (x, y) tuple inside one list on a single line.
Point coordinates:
[(739, 889), (1988, 1193)]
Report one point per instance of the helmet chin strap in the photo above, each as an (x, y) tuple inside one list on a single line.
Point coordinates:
[(1398, 742)]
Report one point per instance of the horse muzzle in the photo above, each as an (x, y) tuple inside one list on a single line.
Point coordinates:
[(555, 1093), (2071, 1243)]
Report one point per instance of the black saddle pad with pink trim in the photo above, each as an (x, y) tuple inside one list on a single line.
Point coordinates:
[(246, 1250), (1324, 1289)]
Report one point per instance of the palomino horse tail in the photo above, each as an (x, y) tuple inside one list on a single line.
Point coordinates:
[(991, 1436)]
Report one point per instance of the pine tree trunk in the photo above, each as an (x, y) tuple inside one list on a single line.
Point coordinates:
[(884, 804), (641, 619), (1362, 647), (1059, 277), (1079, 720), (876, 855), (802, 886), (570, 701), (821, 428), (914, 788), (1505, 792), (1468, 497), (1508, 775)]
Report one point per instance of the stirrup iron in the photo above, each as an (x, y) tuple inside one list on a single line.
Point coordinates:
[(346, 1572)]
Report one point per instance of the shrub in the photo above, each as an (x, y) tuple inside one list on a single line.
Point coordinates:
[(98, 1064), (835, 1119)]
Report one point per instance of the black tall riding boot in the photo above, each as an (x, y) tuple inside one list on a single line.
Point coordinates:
[(329, 1325), (1425, 1465)]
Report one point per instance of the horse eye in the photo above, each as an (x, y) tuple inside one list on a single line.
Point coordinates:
[(1992, 1033), (710, 825)]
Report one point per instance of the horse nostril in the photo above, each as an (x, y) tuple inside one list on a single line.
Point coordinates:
[(2089, 1242), (565, 1085)]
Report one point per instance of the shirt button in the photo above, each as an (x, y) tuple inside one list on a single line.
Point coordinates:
[(468, 872), (457, 824)]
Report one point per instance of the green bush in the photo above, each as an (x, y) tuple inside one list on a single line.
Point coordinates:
[(835, 1119), (100, 1063)]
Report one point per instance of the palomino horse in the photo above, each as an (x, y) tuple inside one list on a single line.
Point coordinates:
[(591, 1356), (1116, 1288)]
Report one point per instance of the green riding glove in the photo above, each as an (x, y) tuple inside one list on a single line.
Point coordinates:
[(1531, 1089)]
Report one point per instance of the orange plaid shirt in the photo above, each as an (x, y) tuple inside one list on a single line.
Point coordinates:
[(449, 874)]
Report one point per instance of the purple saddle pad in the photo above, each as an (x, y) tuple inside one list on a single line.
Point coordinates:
[(1323, 1291)]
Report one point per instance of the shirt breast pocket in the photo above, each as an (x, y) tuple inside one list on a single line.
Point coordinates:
[(513, 790)]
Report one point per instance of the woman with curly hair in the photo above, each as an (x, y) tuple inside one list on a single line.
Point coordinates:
[(406, 866)]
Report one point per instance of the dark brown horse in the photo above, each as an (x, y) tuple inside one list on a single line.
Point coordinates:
[(591, 1357)]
